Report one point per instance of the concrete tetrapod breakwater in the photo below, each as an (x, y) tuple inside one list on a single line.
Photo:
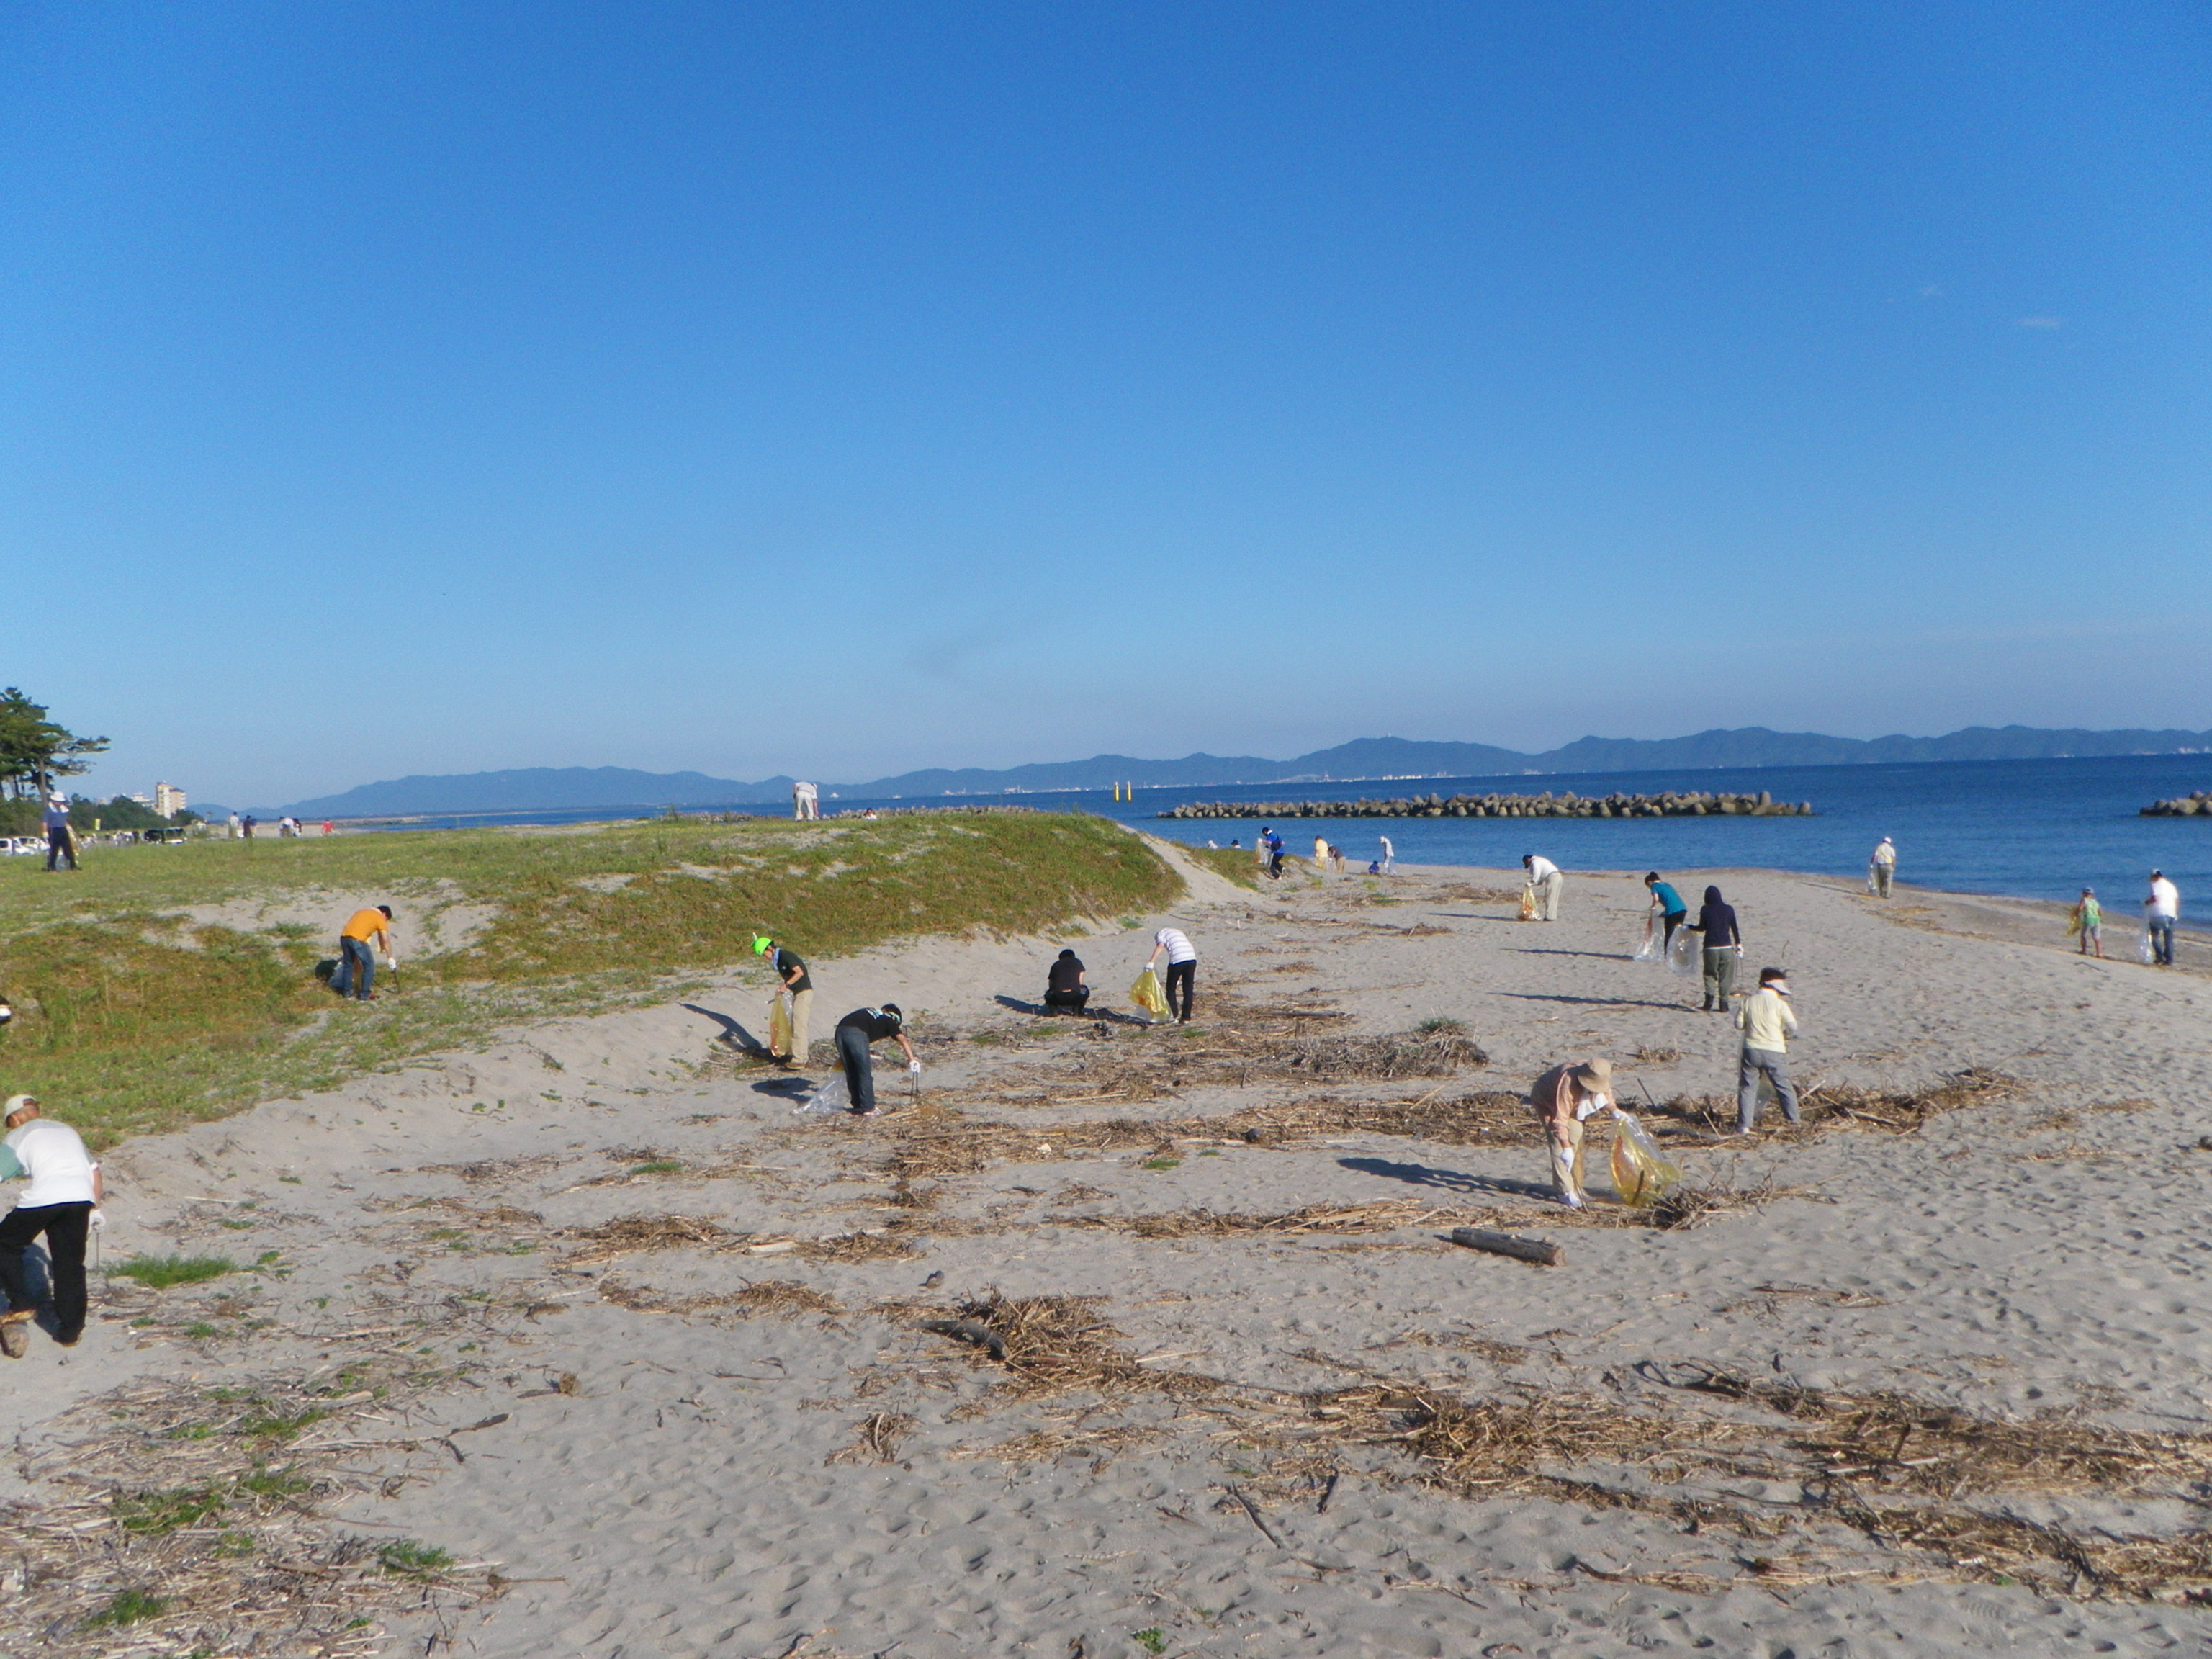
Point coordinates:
[(1695, 804), (2198, 804)]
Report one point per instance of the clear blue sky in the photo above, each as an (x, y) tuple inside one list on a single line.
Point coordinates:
[(836, 390)]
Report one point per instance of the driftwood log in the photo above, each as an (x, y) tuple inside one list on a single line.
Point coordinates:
[(1540, 1251)]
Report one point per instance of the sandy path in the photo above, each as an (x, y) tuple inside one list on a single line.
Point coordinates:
[(705, 1485)]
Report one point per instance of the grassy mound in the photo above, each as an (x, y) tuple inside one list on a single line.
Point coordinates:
[(133, 1016)]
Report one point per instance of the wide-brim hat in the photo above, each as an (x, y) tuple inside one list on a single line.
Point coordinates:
[(1596, 1075)]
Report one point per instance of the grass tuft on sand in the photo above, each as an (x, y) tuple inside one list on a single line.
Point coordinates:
[(133, 1017)]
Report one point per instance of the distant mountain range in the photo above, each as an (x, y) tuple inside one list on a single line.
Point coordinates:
[(576, 788)]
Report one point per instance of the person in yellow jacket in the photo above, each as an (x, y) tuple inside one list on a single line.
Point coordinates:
[(359, 940), (1767, 1024)]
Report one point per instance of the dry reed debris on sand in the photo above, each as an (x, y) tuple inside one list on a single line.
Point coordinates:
[(649, 1233), (1890, 1466), (781, 1297), (1333, 1218), (202, 1514), (1396, 1055), (877, 1438), (1050, 1345), (1827, 1107)]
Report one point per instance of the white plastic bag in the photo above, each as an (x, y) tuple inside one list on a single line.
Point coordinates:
[(1682, 954), (829, 1096), (1649, 950), (2146, 953)]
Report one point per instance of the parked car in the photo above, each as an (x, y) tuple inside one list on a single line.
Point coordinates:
[(167, 835), (27, 844)]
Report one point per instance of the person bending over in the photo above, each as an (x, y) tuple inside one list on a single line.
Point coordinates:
[(855, 1032), (1064, 985), (1183, 970), (64, 1186), (1544, 875), (359, 941), (1570, 1092), (1666, 904)]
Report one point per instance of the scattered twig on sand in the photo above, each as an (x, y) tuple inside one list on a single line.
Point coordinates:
[(876, 1439), (781, 1297), (1051, 1344), (650, 1232)]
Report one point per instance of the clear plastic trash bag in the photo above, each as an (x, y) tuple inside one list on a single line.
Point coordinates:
[(1682, 954), (826, 1097), (1650, 950)]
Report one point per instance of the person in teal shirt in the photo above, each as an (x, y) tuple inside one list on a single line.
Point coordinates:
[(1669, 904)]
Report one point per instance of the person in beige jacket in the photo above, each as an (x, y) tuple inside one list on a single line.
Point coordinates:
[(1767, 1024), (1563, 1098)]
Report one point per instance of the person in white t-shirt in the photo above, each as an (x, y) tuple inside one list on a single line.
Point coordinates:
[(1544, 875), (2162, 909), (64, 1186), (1183, 970)]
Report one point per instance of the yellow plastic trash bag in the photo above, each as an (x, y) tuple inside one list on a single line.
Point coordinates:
[(779, 1027), (1641, 1172), (1147, 995), (1529, 910)]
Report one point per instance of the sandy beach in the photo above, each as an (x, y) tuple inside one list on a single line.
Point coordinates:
[(645, 1352)]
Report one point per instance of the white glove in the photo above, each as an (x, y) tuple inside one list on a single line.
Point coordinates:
[(392, 963), (914, 1067), (97, 1219)]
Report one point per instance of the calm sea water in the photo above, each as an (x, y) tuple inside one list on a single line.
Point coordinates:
[(2032, 828)]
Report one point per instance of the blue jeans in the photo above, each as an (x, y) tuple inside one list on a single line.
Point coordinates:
[(356, 969), (2161, 940)]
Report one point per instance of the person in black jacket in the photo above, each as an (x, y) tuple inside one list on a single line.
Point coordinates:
[(855, 1032), (1724, 941), (1063, 986)]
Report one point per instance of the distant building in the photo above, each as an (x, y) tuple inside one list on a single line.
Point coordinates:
[(169, 799)]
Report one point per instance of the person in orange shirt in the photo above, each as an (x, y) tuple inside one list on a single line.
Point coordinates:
[(358, 943)]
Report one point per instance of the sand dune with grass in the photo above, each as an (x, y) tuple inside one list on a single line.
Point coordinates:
[(1119, 1338)]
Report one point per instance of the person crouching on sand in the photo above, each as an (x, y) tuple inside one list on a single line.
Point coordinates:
[(1064, 986), (1563, 1098), (855, 1032), (1767, 1025), (65, 1187)]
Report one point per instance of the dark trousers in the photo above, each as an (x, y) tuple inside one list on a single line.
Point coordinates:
[(1673, 919), (1274, 866), (860, 1066), (60, 844), (1184, 974), (356, 969), (1074, 998), (64, 1226)]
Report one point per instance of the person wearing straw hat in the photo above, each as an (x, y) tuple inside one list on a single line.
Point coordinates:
[(791, 973), (1563, 1098), (64, 1185)]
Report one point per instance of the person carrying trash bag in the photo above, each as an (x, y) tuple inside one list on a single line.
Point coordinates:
[(59, 1202), (792, 976), (855, 1032), (1545, 878), (1183, 970), (1716, 928), (1666, 908), (1563, 1098), (1881, 868), (1767, 1024)]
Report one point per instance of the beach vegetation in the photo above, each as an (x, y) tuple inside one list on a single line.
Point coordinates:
[(411, 1559), (161, 1273), (137, 1012), (128, 1607)]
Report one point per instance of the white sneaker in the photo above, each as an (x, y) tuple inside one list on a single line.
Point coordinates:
[(1571, 1201)]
